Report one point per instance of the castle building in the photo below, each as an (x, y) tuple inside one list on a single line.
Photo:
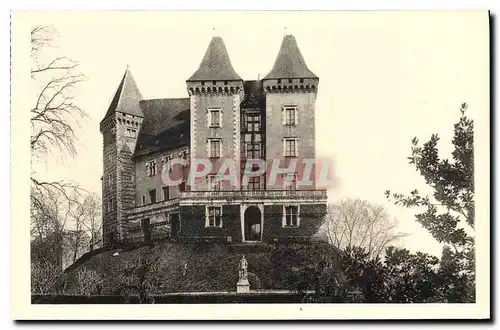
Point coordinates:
[(223, 117)]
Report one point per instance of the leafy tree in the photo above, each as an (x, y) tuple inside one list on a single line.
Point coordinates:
[(449, 213)]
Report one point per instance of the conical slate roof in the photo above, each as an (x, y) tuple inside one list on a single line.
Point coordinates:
[(126, 98), (216, 64), (289, 62)]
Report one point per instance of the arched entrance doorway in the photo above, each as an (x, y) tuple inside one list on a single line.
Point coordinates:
[(252, 225)]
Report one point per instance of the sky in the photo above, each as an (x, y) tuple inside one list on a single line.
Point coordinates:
[(384, 78)]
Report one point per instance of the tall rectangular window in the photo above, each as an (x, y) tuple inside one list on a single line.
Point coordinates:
[(215, 117), (215, 148), (291, 216), (290, 146), (152, 196), (166, 193), (290, 115), (291, 180), (143, 200), (214, 216), (151, 167), (212, 183)]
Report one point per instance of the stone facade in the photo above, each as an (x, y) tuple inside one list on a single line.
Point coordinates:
[(250, 119)]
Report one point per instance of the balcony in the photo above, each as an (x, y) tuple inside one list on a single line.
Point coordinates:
[(315, 195), (144, 210)]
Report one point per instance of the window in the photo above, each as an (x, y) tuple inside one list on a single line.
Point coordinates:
[(166, 162), (214, 82), (166, 193), (301, 80), (254, 183), (214, 216), (291, 218), (279, 81), (203, 83), (214, 148), (143, 200), (290, 114), (290, 146), (289, 81), (212, 183), (214, 117), (152, 196), (253, 151), (182, 186), (131, 132), (151, 167), (183, 153), (291, 181), (252, 122)]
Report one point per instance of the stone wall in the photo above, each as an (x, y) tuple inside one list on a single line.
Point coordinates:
[(311, 217), (193, 222), (304, 131)]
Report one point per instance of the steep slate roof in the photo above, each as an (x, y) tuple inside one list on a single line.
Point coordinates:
[(216, 64), (126, 98), (254, 94), (165, 125), (289, 62)]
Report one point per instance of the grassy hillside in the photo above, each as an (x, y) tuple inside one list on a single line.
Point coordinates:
[(201, 267)]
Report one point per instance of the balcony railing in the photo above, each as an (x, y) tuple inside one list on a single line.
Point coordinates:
[(316, 194), (154, 206)]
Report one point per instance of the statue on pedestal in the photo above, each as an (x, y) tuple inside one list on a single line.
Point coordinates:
[(243, 273), (243, 286)]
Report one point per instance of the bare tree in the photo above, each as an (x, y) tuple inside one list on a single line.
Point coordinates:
[(87, 225), (355, 222), (54, 113), (50, 215)]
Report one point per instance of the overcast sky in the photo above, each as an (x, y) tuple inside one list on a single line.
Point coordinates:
[(384, 78)]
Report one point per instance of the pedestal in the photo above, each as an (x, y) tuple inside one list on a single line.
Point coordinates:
[(243, 286)]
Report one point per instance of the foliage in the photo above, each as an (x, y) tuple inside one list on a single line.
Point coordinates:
[(449, 214), (44, 277), (89, 282), (141, 277)]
